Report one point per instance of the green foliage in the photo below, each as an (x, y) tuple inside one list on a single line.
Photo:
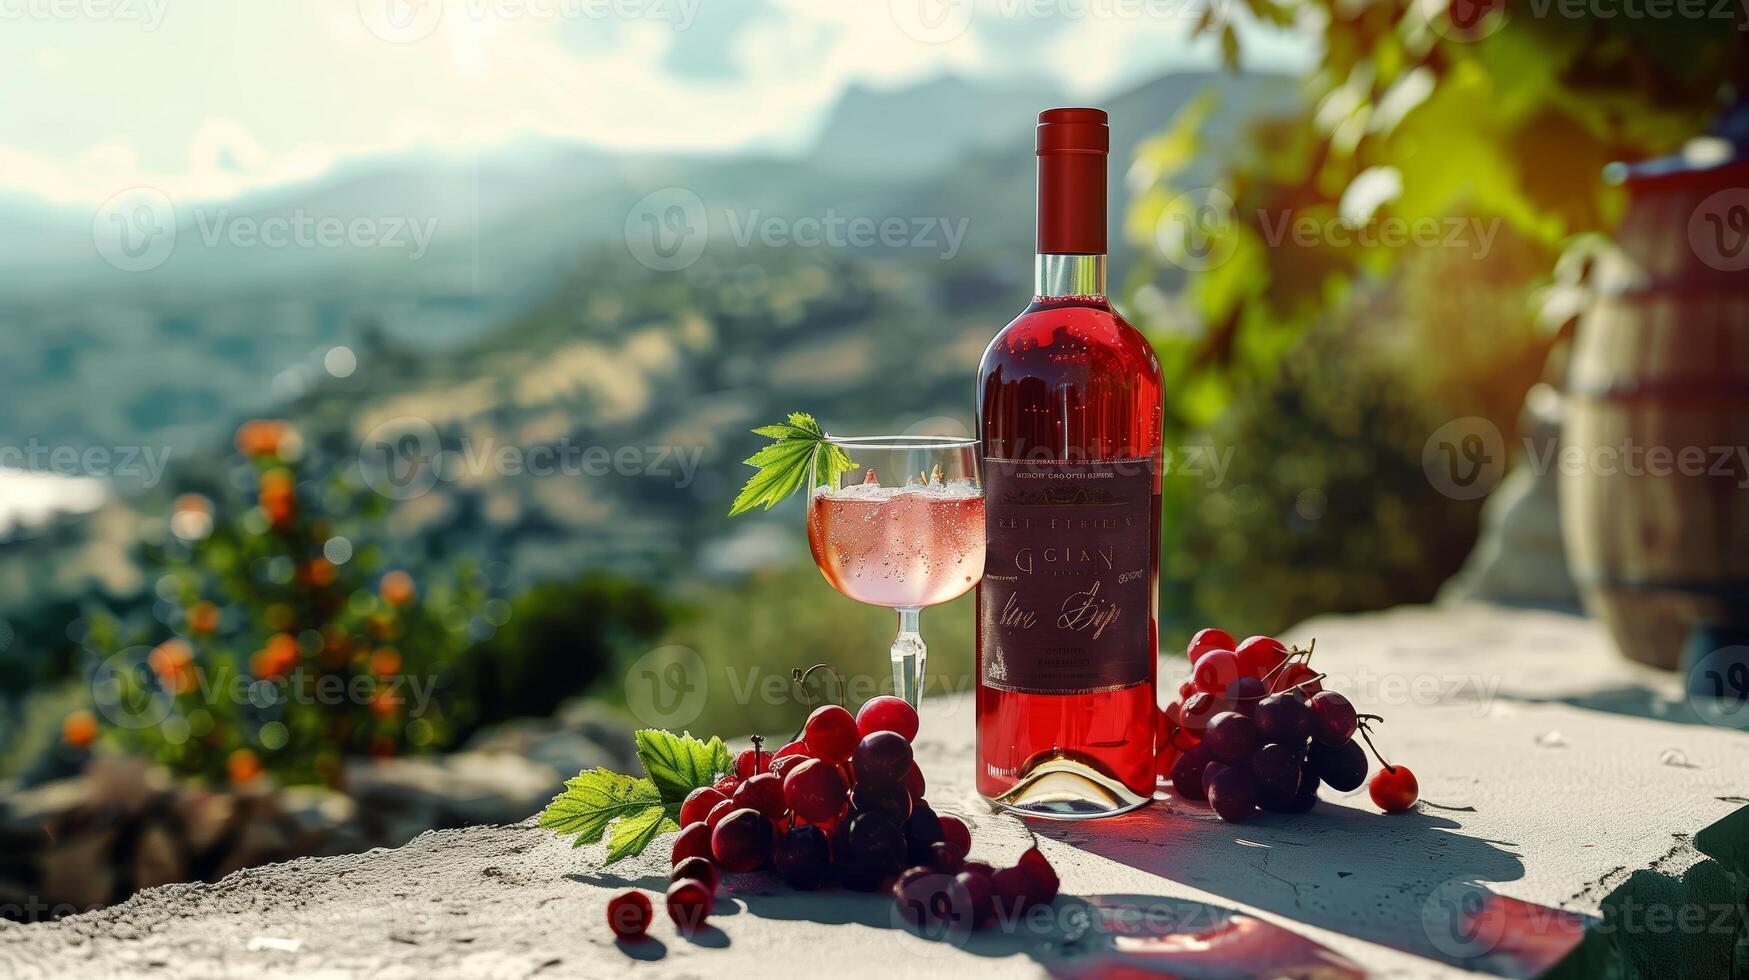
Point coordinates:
[(559, 639), (1410, 118), (637, 809), (287, 651)]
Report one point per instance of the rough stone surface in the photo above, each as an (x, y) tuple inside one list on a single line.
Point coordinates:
[(1551, 771)]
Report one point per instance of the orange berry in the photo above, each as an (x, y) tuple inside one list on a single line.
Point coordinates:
[(261, 437), (242, 766), (386, 662), (397, 588), (384, 703), (203, 618), (79, 729)]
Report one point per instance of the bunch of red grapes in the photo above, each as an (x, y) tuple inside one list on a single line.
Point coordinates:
[(1253, 729), (843, 804)]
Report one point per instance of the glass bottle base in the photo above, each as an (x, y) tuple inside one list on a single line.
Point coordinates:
[(1065, 789)]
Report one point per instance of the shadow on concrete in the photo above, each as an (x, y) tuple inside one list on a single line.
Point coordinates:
[(1413, 882), (1628, 699)]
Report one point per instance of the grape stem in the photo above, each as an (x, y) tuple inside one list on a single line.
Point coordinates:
[(1362, 728), (799, 678), (1294, 655), (758, 743)]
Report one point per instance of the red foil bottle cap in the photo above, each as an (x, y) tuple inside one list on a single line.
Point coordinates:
[(1072, 146)]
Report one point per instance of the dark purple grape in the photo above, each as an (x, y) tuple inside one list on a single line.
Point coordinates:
[(742, 840), (1333, 718), (1197, 710), (978, 888), (1245, 693), (946, 857), (803, 858), (1209, 773), (1233, 793), (1301, 801), (1187, 774), (1231, 737), (1341, 768), (1277, 769), (881, 759), (892, 800), (868, 849), (1284, 718), (933, 901), (922, 830)]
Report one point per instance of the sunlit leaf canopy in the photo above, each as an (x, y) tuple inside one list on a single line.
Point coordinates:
[(1422, 115)]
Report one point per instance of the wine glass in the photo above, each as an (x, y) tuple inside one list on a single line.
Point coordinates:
[(904, 529)]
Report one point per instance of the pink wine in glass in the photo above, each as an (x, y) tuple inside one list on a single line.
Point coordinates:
[(917, 545), (1070, 424)]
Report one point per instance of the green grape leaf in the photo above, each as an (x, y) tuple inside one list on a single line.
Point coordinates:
[(798, 450), (679, 764), (594, 799), (632, 834)]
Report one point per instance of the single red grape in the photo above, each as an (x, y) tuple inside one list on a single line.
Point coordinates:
[(1333, 718), (1186, 688), (1042, 877), (926, 897), (803, 857), (1277, 768), (698, 804), (797, 747), (831, 733), (946, 858), (752, 762), (726, 783), (741, 840), (628, 915), (1206, 640), (781, 765), (1233, 793), (978, 888), (1259, 655), (922, 831), (881, 759), (955, 832), (699, 870), (694, 841), (1341, 767), (914, 781), (1187, 774), (887, 714), (1231, 737), (1244, 694), (1215, 670), (815, 790), (720, 811), (689, 904), (1198, 711), (1394, 790), (1284, 718), (891, 800), (764, 793), (1008, 890)]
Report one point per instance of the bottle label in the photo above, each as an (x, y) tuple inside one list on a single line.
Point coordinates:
[(1066, 599)]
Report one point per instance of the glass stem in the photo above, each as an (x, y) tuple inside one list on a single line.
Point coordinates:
[(908, 656)]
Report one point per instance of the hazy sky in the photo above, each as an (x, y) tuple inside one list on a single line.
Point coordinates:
[(210, 98)]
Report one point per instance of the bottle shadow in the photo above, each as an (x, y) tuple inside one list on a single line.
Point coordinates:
[(1390, 879)]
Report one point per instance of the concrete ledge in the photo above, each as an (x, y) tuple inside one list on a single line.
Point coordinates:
[(1552, 773)]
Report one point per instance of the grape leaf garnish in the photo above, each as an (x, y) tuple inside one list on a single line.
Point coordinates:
[(799, 448), (637, 810)]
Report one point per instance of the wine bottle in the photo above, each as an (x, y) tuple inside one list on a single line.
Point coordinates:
[(1070, 423)]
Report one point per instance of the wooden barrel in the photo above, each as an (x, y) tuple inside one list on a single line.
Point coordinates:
[(1655, 467)]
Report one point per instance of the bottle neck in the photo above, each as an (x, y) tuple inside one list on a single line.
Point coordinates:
[(1060, 276)]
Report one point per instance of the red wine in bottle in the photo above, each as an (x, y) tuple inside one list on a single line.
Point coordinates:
[(1070, 420)]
